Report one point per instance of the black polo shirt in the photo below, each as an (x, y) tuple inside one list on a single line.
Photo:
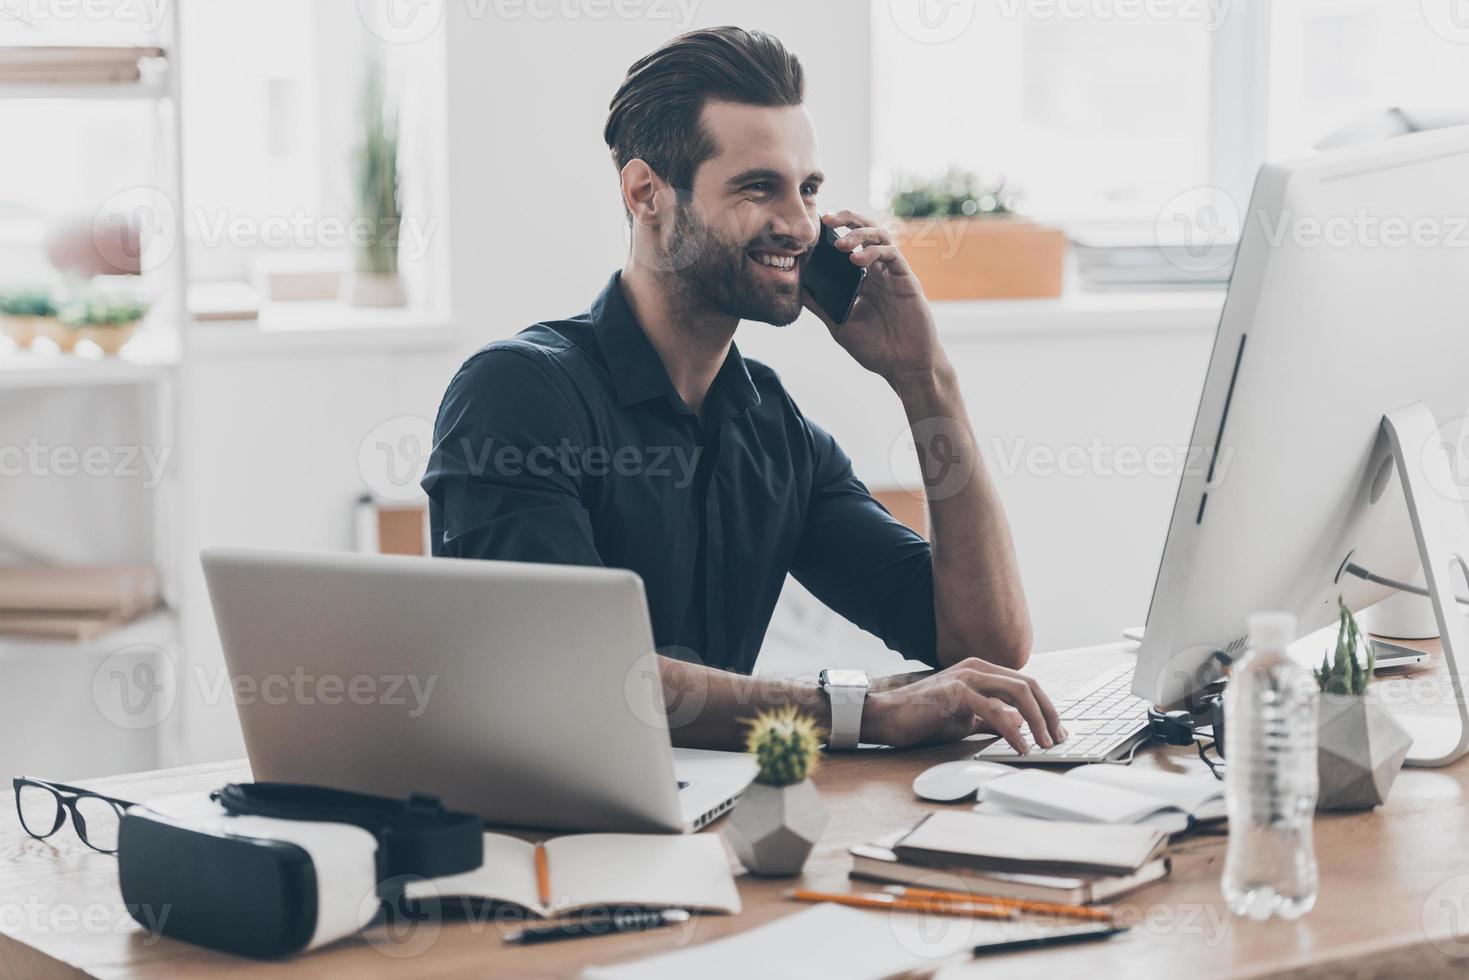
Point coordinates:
[(568, 443)]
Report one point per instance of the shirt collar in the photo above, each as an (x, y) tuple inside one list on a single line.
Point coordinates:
[(637, 371)]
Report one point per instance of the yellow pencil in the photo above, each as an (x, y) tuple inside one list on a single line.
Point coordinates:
[(1100, 913), (881, 900)]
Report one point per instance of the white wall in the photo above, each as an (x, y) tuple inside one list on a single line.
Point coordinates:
[(538, 225)]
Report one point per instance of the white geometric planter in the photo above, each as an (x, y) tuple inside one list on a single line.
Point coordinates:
[(773, 828), (1360, 749)]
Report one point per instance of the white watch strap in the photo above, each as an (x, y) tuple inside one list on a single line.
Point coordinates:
[(846, 714)]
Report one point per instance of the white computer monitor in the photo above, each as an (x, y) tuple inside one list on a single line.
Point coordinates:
[(1349, 302)]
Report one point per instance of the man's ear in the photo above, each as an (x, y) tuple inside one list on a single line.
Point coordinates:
[(646, 196)]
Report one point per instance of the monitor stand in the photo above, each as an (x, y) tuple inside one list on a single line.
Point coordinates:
[(1441, 528)]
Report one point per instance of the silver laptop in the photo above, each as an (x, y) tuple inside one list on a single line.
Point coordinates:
[(528, 694)]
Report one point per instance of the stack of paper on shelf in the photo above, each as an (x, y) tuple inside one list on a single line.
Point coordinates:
[(73, 601), (89, 64)]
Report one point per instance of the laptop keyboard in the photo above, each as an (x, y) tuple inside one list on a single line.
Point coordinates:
[(1099, 722)]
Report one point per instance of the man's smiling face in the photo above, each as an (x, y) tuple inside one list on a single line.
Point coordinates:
[(739, 244)]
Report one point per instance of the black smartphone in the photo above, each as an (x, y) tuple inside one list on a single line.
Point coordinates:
[(830, 277)]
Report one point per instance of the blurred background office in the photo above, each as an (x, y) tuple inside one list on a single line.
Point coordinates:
[(245, 243)]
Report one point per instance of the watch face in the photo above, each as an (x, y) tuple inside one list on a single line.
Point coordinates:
[(844, 678)]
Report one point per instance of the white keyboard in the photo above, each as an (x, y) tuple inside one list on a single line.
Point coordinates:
[(1101, 722)]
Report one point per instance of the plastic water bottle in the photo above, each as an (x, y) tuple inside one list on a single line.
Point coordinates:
[(1270, 776)]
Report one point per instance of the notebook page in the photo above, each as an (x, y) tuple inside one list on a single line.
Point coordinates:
[(508, 875), (1198, 793), (1053, 797), (650, 870)]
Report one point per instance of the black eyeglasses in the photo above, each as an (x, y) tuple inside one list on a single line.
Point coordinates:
[(43, 807)]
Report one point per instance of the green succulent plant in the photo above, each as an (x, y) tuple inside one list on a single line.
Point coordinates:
[(956, 193), (102, 312), (378, 199), (1345, 673), (27, 301), (785, 744)]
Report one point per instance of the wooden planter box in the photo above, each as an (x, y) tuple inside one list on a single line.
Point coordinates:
[(984, 258)]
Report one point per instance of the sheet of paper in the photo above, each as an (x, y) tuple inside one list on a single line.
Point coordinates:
[(651, 870), (1049, 796), (1197, 793), (508, 875), (822, 941)]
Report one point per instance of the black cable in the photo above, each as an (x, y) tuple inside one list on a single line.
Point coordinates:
[(1216, 768)]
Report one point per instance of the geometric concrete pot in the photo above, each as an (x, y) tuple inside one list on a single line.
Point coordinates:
[(773, 828), (1360, 748)]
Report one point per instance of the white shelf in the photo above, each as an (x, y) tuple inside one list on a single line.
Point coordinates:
[(20, 369), (330, 327), (1080, 312), (147, 88), (156, 629)]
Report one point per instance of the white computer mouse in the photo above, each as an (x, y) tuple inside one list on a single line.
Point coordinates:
[(951, 782)]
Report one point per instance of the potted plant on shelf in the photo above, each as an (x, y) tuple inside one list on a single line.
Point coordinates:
[(26, 313), (780, 816), (1360, 746), (108, 322), (374, 280), (964, 240)]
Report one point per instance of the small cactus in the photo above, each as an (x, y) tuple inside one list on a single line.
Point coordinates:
[(785, 744), (1346, 674)]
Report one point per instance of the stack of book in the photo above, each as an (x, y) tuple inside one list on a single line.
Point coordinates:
[(79, 65), (1129, 260), (1015, 857), (74, 602)]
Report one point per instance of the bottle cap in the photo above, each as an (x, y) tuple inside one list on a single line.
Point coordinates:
[(1271, 630)]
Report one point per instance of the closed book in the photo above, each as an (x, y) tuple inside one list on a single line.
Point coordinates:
[(1017, 844), (104, 590), (57, 626), (74, 55), (878, 862)]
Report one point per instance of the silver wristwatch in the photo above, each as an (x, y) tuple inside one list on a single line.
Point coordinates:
[(846, 690)]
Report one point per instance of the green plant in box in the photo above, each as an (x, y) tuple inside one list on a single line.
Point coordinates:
[(377, 182), (27, 301), (1360, 745), (103, 312), (956, 193)]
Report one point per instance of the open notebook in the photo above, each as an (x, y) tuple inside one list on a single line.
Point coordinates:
[(589, 870), (1172, 802)]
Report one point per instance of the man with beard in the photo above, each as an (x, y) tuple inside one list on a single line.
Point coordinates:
[(635, 435)]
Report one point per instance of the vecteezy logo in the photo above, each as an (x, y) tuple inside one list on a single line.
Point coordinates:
[(401, 21), (1197, 228), (939, 444), (1446, 917), (135, 687), (137, 229), (1445, 459), (932, 21), (1449, 19), (642, 690), (399, 927), (394, 457)]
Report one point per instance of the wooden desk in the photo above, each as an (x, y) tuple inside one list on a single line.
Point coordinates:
[(1394, 891)]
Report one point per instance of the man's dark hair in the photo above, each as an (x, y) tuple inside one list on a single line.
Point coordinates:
[(655, 114)]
